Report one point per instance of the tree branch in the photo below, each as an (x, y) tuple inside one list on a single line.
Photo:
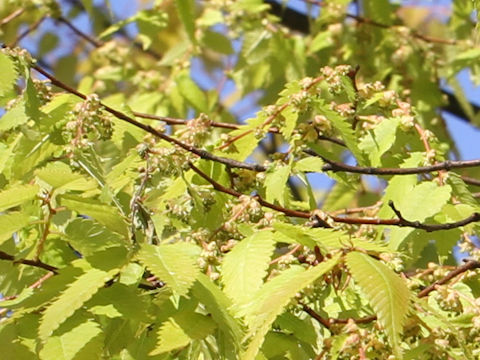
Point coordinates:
[(335, 166), (122, 116), (433, 227), (400, 221), (469, 265), (35, 263)]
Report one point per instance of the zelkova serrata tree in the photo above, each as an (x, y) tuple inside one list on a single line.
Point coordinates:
[(142, 219)]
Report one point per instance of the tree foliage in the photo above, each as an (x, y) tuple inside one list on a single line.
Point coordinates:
[(159, 189)]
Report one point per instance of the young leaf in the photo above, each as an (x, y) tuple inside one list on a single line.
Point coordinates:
[(275, 184), (186, 12), (11, 222), (423, 201), (105, 215), (217, 304), (14, 117), (272, 299), (77, 293), (245, 267), (386, 292), (175, 264), (9, 74), (17, 195), (170, 337), (79, 338)]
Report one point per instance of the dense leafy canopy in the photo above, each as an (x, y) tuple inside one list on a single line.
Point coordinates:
[(142, 217)]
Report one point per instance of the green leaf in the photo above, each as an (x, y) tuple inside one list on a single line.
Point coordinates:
[(275, 184), (105, 215), (186, 12), (10, 223), (309, 164), (272, 299), (88, 237), (174, 264), (217, 304), (192, 93), (321, 41), (344, 127), (60, 175), (17, 195), (386, 292), (14, 117), (150, 23), (9, 74), (77, 293), (170, 337), (423, 201), (375, 143), (217, 42), (119, 300), (245, 267), (79, 338)]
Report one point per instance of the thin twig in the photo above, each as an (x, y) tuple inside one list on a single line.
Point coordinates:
[(291, 252), (90, 39), (30, 29), (37, 263), (122, 116), (469, 265), (433, 227), (470, 180), (447, 165), (400, 221), (12, 16), (363, 20)]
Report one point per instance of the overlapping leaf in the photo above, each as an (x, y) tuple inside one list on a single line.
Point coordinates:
[(386, 292)]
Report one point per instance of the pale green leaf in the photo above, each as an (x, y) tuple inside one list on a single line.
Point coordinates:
[(192, 93), (11, 222), (9, 74), (272, 299), (174, 264), (218, 304), (186, 12), (276, 183), (17, 195), (14, 117), (78, 339), (170, 337), (321, 41), (245, 267), (60, 175), (344, 127), (105, 215), (309, 164), (217, 42), (423, 201), (375, 143), (386, 292), (77, 293), (339, 197), (88, 237), (290, 116)]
